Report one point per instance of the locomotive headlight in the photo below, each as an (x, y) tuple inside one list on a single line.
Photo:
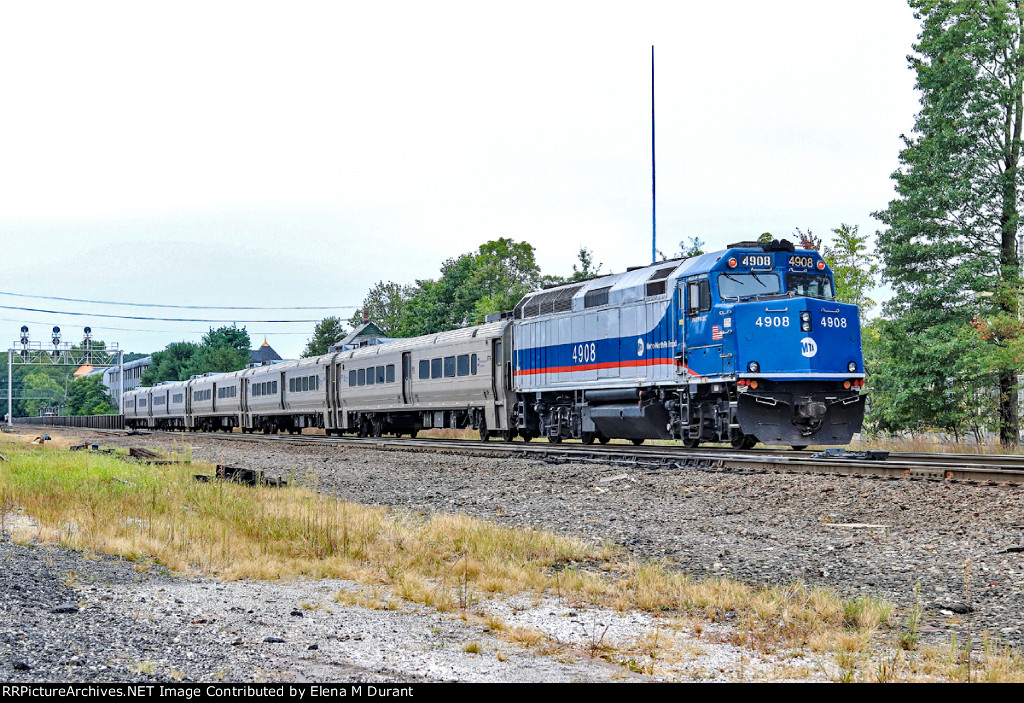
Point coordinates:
[(805, 321), (753, 367), (852, 366)]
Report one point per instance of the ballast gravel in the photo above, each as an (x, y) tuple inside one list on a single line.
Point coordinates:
[(956, 549)]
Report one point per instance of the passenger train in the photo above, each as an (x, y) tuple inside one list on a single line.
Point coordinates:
[(742, 345)]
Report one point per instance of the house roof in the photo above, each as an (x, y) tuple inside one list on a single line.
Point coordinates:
[(367, 329), (264, 354)]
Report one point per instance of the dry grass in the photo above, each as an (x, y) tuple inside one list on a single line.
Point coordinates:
[(925, 443), (96, 503)]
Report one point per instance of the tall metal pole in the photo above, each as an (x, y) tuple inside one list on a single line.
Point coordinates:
[(120, 383), (654, 218), (10, 390)]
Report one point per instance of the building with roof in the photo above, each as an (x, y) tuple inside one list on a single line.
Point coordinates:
[(264, 355), (365, 335)]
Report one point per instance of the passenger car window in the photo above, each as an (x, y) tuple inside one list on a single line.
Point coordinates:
[(390, 373), (424, 369), (462, 365), (449, 366), (435, 368)]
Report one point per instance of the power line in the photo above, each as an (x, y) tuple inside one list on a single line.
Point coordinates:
[(180, 307), (158, 319)]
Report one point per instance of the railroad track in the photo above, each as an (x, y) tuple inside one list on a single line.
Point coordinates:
[(975, 468)]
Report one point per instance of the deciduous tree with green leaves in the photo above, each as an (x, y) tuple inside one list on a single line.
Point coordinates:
[(386, 304), (327, 332), (950, 241), (854, 267)]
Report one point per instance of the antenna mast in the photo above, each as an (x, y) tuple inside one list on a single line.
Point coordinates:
[(654, 217)]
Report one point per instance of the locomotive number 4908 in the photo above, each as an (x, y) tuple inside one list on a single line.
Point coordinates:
[(772, 321), (584, 353)]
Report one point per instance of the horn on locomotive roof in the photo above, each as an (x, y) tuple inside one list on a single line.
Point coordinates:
[(774, 245)]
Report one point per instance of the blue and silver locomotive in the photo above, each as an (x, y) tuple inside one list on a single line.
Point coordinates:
[(735, 346)]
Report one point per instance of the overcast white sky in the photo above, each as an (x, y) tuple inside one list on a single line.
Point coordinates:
[(289, 154)]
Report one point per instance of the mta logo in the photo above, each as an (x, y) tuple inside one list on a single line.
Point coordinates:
[(808, 347)]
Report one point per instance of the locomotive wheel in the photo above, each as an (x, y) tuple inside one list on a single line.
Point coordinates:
[(691, 443), (637, 442), (799, 447), (554, 439), (508, 435), (526, 436), (485, 435), (588, 438), (745, 441), (603, 440)]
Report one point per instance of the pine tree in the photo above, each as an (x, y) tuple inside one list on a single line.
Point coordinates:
[(950, 245)]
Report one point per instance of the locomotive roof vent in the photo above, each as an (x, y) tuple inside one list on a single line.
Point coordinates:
[(774, 245)]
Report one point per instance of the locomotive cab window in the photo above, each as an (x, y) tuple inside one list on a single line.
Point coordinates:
[(812, 285), (699, 297), (747, 285)]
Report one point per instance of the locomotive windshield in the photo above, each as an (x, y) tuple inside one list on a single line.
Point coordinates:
[(746, 285), (812, 285)]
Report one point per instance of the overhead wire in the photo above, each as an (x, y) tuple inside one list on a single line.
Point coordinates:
[(180, 307), (158, 319)]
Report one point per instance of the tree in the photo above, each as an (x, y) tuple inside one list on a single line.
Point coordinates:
[(586, 270), (694, 248), (88, 396), (171, 364), (386, 303), (854, 268), (471, 286), (328, 331), (41, 383), (503, 271), (950, 242), (808, 240), (223, 349)]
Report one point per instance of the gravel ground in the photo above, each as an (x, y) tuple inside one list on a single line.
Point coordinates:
[(860, 535)]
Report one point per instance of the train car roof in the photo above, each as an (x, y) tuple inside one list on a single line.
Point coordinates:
[(634, 284), (485, 331)]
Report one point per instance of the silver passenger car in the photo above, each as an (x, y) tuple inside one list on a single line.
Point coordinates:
[(450, 379)]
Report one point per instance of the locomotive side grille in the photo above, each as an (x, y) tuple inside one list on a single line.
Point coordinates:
[(655, 288), (596, 298), (558, 300)]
